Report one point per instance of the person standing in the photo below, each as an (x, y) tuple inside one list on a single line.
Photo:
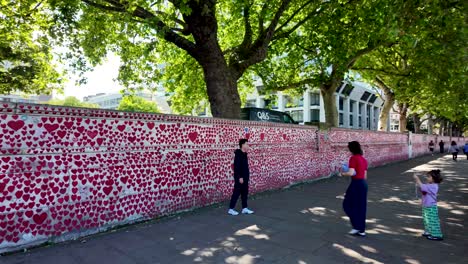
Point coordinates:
[(431, 147), (465, 150), (429, 192), (355, 201), (241, 179), (454, 150), (441, 146)]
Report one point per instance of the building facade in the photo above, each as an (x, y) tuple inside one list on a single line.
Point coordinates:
[(358, 104), (34, 99), (112, 100)]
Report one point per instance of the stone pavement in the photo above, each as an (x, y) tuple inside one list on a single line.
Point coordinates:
[(303, 224)]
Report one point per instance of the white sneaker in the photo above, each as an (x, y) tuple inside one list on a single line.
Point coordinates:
[(233, 212), (353, 232), (247, 211)]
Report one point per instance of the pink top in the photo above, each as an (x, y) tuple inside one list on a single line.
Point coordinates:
[(429, 194)]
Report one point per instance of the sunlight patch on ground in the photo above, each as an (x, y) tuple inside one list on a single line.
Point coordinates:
[(413, 230), (253, 232), (412, 261), (356, 255), (320, 211), (409, 216), (457, 212), (246, 259), (369, 249)]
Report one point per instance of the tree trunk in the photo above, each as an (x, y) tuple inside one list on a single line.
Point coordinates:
[(389, 101), (221, 81), (403, 118), (329, 101), (403, 123), (221, 87), (430, 125), (417, 124), (441, 128)]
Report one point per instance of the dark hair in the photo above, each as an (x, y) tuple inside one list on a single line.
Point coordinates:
[(355, 148), (454, 143), (436, 177), (242, 142)]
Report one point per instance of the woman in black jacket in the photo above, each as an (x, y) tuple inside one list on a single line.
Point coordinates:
[(241, 179)]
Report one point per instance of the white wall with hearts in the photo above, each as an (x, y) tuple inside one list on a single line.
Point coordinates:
[(71, 172)]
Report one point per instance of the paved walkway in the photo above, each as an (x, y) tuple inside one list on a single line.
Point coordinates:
[(304, 224)]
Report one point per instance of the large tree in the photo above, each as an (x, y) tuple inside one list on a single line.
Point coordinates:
[(426, 69), (328, 46), (224, 38), (26, 60)]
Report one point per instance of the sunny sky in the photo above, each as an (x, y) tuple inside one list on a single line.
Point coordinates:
[(101, 80)]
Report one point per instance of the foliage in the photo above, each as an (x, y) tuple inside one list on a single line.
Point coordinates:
[(135, 103), (26, 60), (72, 102), (427, 69)]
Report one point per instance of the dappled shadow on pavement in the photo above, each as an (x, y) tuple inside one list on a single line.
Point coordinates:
[(304, 224)]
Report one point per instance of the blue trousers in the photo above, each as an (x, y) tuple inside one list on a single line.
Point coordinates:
[(355, 204)]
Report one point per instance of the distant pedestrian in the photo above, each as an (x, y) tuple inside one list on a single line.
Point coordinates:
[(441, 146), (241, 179), (454, 150), (431, 147), (465, 150), (355, 201), (429, 192)]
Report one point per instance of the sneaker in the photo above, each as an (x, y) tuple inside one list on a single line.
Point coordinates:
[(434, 238), (355, 232), (233, 212), (247, 211), (426, 234)]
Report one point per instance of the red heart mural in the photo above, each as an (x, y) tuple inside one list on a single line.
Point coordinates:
[(82, 174)]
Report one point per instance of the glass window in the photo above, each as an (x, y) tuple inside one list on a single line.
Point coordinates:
[(351, 106), (372, 99), (348, 89), (251, 103), (314, 99), (365, 96), (341, 119), (341, 103), (297, 115), (360, 121), (315, 115), (361, 108), (351, 123)]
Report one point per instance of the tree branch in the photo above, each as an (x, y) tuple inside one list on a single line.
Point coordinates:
[(294, 15), (261, 18), (151, 19), (380, 70), (258, 51), (247, 42), (105, 7)]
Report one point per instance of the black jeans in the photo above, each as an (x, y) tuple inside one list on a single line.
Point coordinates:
[(441, 149), (239, 190), (454, 155)]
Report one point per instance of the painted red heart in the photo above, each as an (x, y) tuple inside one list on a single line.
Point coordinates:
[(51, 127), (193, 136), (39, 218), (16, 124)]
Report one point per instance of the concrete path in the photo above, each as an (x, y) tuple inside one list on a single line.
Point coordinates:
[(303, 224)]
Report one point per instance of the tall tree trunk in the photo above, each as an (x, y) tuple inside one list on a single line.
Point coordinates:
[(417, 124), (441, 128), (329, 101), (403, 116), (389, 101), (221, 81), (430, 125), (221, 88)]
